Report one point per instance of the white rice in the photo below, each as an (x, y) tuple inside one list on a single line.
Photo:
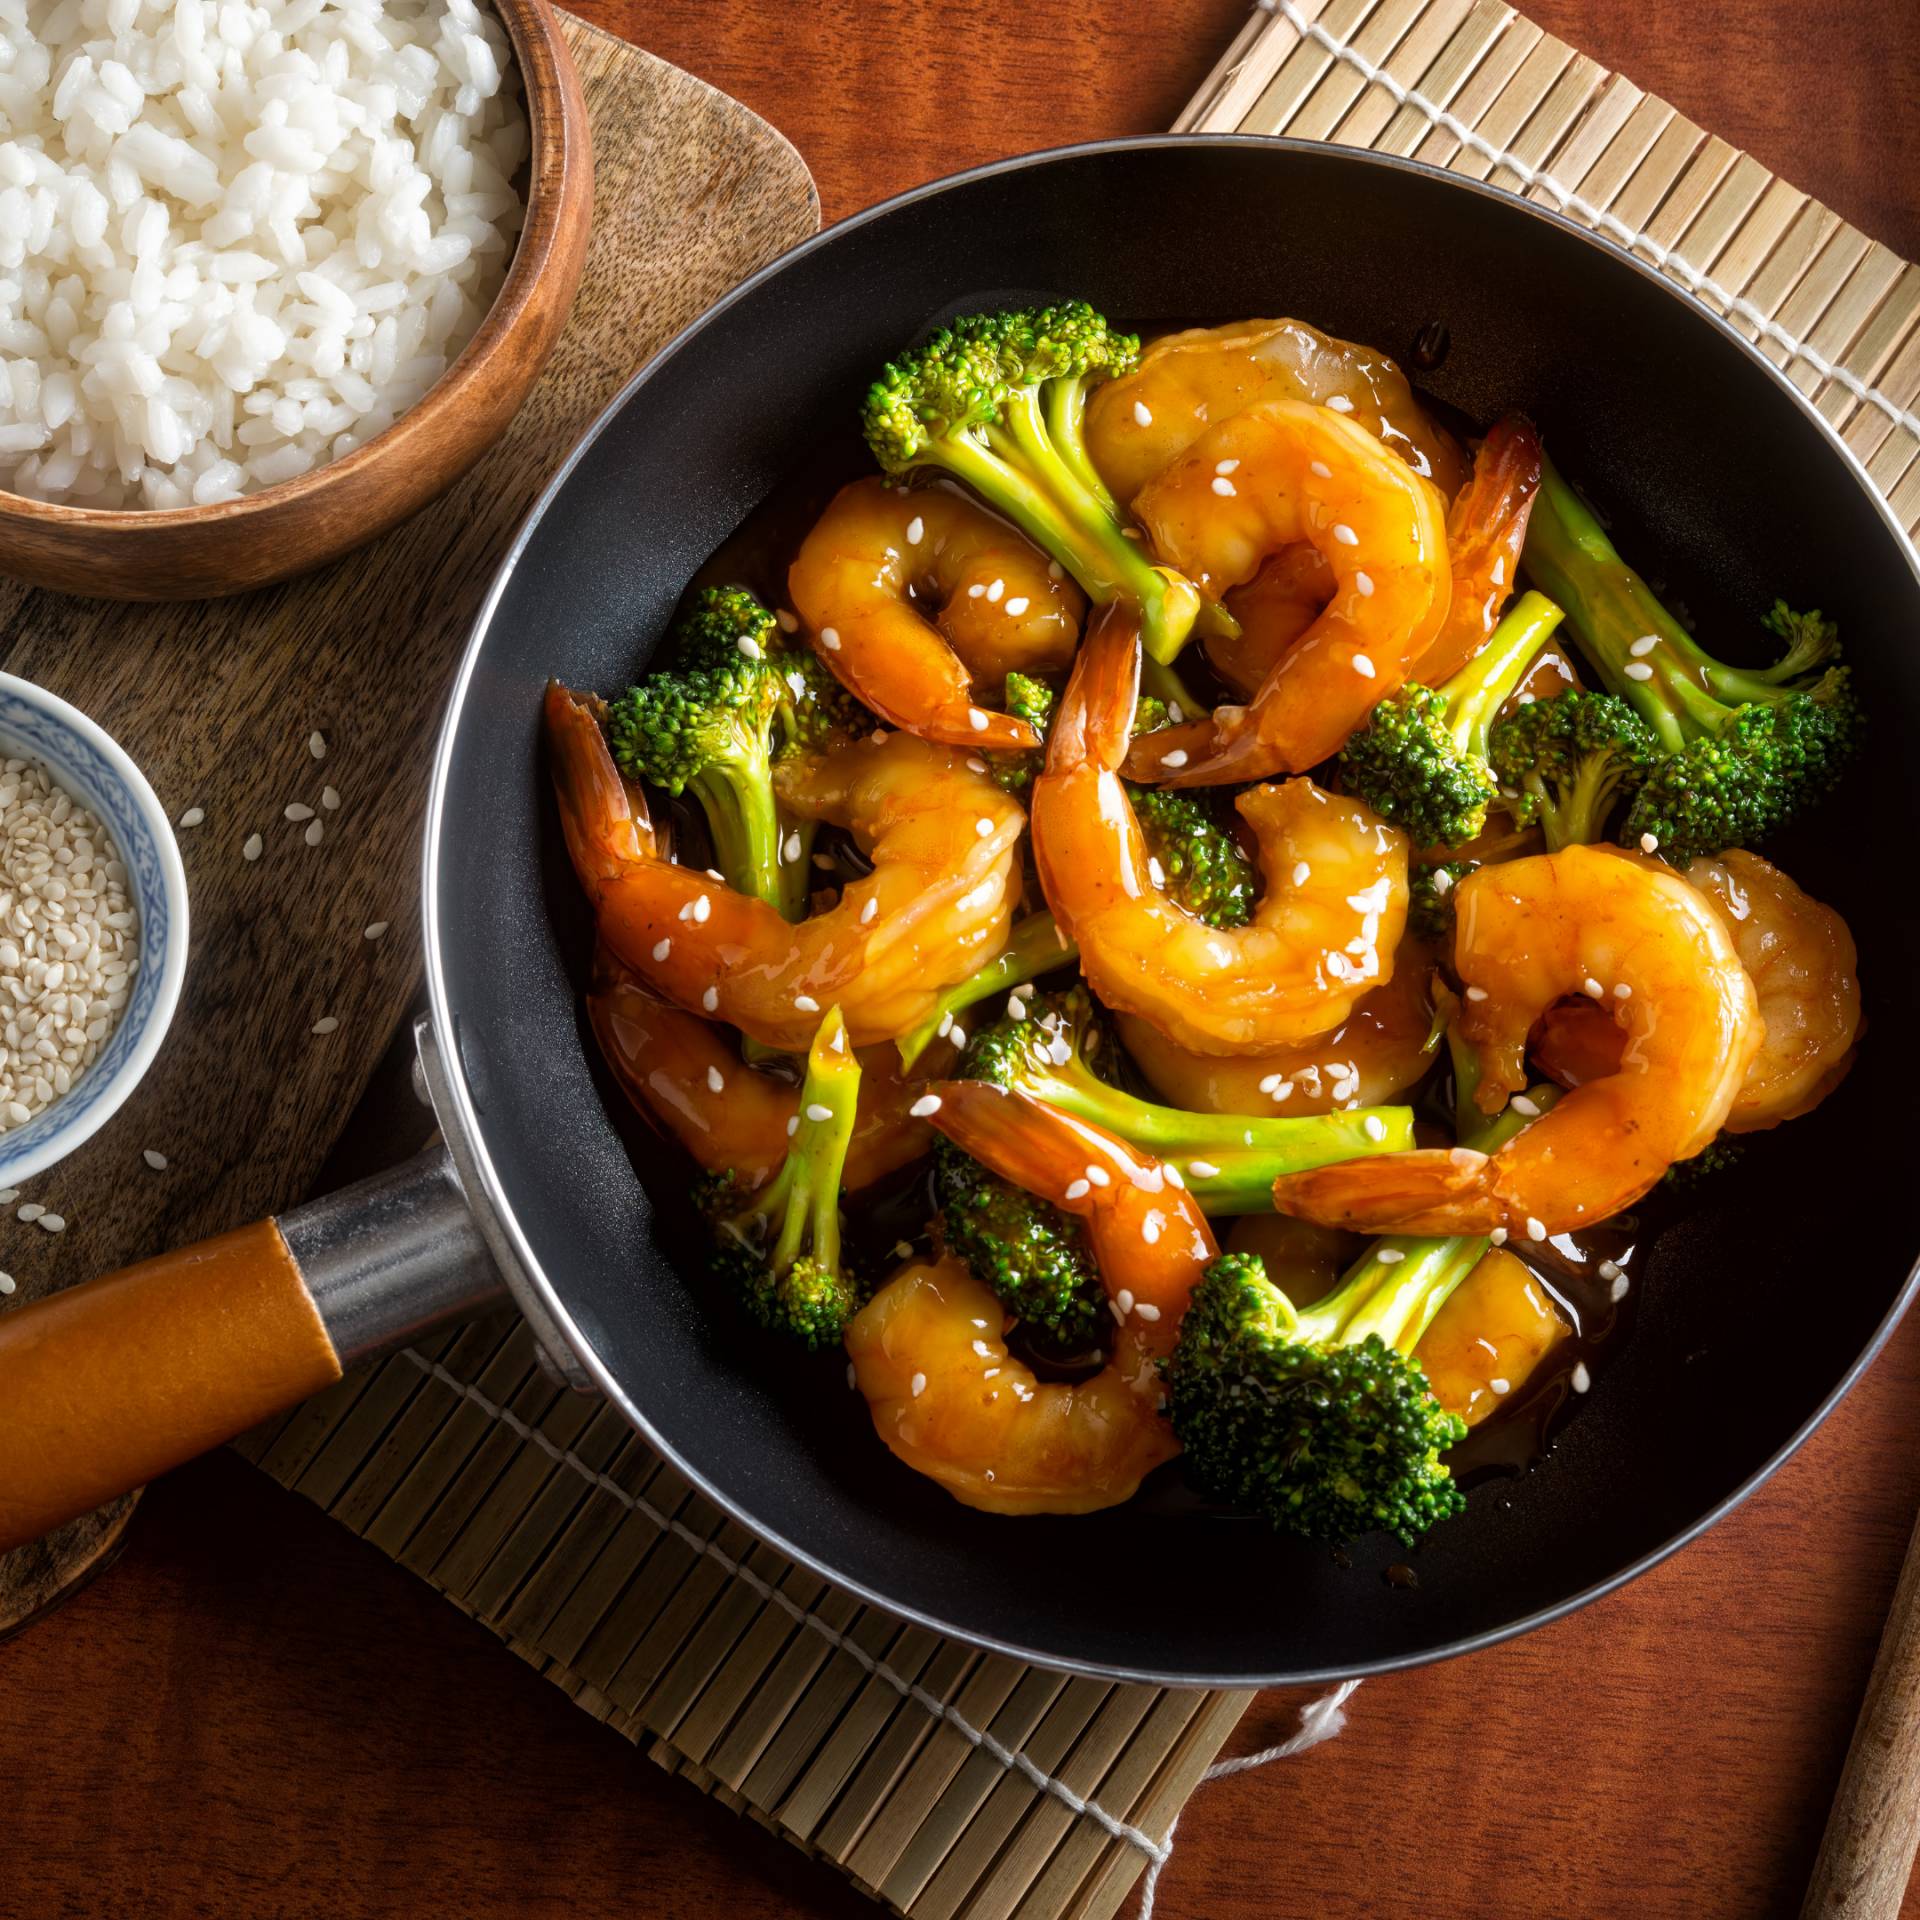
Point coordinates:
[(239, 239)]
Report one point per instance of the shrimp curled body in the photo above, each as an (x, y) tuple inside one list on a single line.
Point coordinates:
[(1323, 934), (942, 841), (1629, 934), (910, 596)]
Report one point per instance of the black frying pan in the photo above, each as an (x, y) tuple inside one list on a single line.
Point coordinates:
[(1753, 1315)]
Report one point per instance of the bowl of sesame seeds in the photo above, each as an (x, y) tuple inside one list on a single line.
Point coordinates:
[(93, 928)]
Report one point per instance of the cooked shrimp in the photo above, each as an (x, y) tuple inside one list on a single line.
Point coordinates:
[(686, 1075), (950, 1402), (1486, 528), (1272, 611), (1262, 481), (1186, 382), (943, 842), (909, 596), (1629, 933), (1382, 1047), (1490, 1337), (1323, 934), (1800, 958), (1149, 1237)]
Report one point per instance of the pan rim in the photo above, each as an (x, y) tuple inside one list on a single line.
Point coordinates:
[(465, 1117)]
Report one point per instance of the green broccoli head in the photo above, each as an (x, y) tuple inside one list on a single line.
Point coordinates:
[(1714, 1159), (1318, 1422), (1033, 701), (722, 625), (1203, 868), (1572, 759), (1034, 1257), (1430, 899), (1405, 764), (779, 1249)]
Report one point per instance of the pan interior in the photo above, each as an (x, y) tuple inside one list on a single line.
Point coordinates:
[(1752, 1312)]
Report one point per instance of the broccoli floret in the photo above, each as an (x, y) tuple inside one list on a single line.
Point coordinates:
[(1573, 759), (1320, 1421), (737, 699), (1713, 1159), (1229, 1162), (779, 1248), (997, 399), (1741, 750), (1034, 1256), (1430, 899), (1035, 946), (1033, 701), (1421, 759), (1188, 832)]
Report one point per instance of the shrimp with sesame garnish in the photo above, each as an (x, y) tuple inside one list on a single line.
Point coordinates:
[(686, 1075), (1380, 1049), (910, 596), (1265, 480), (941, 839), (1325, 929), (1630, 934)]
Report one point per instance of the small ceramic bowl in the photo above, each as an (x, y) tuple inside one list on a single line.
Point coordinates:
[(92, 766)]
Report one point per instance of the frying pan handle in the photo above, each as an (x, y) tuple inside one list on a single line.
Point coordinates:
[(1873, 1828), (107, 1384)]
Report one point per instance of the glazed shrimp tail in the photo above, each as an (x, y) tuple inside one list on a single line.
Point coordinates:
[(1093, 725), (1260, 482), (1632, 936), (604, 818), (1486, 528), (1149, 1236), (910, 596)]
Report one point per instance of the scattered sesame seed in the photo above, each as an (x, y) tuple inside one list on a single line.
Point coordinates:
[(193, 816), (155, 1159), (1376, 1127), (1617, 1291), (716, 1080), (995, 591), (870, 912), (983, 827), (253, 847), (789, 623), (1302, 873), (1498, 1236), (1527, 1108), (1177, 758), (1055, 571), (1649, 843), (1340, 403), (1123, 1301), (805, 1003), (793, 1126), (1501, 1386), (299, 810), (830, 639), (975, 591), (975, 764), (6, 1283), (1637, 670), (8, 1195), (317, 744), (1141, 416), (1147, 1310), (1321, 470), (1202, 1169), (750, 647), (315, 833), (1389, 1256), (1150, 1228), (976, 720), (790, 852), (1079, 1189), (853, 1377), (879, 736), (903, 1249), (52, 1223), (1173, 1176), (1362, 666), (1536, 1230), (925, 1107), (711, 999), (1099, 1177), (1345, 534), (1363, 582), (916, 531), (1155, 871), (1582, 1379), (374, 929), (1018, 605), (1592, 987), (917, 1385), (1476, 993), (959, 1035), (326, 1024), (1442, 879), (1644, 645), (661, 948), (1224, 487), (31, 1212), (1016, 1007), (1284, 1091), (818, 1113)]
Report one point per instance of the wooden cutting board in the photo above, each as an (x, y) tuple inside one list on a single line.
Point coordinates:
[(218, 702)]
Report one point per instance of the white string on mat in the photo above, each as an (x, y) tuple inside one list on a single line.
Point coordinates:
[(1319, 1719), (1611, 224)]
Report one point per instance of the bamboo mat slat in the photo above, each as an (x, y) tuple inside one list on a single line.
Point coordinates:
[(949, 1784)]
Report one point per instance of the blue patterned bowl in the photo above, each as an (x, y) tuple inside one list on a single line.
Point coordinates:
[(36, 725)]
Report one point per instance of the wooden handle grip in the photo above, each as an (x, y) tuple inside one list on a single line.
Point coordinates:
[(1874, 1826), (110, 1383)]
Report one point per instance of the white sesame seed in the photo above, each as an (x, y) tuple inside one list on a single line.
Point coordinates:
[(661, 948), (1362, 666), (1147, 1310), (1581, 1378), (830, 639), (1617, 1290), (1177, 758), (1123, 1300), (31, 1212), (1376, 1127), (1536, 1230), (1226, 466), (154, 1158), (1018, 605), (879, 736), (1592, 987), (750, 647), (1321, 470), (1203, 1169), (1442, 880), (788, 622), (716, 1080), (193, 816), (317, 744), (1390, 1256), (1340, 403), (793, 1125), (1526, 1108), (1644, 645), (959, 1035), (917, 1385), (1224, 487), (1099, 1176), (995, 591), (983, 828), (1498, 1236), (975, 591), (870, 912), (1649, 843), (1363, 583), (925, 1107), (6, 1283), (1173, 1176), (1302, 873), (330, 799), (1155, 871), (1637, 670), (314, 834), (1476, 993), (1141, 416), (975, 764), (1345, 534), (1150, 1228), (52, 1223), (916, 531), (1284, 1091), (326, 1024), (1079, 1189), (790, 852), (818, 1113), (299, 810), (1501, 1386), (976, 720), (853, 1375), (805, 1003), (374, 929), (1016, 1007), (8, 1195), (702, 908), (711, 999)]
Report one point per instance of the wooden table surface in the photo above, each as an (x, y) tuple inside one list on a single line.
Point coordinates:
[(253, 1713)]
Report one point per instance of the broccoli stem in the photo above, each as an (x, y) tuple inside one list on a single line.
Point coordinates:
[(744, 823), (1161, 680), (805, 1194), (1066, 428), (1484, 685), (1034, 946), (1240, 1180)]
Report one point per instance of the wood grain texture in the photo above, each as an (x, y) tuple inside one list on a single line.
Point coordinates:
[(191, 552), (323, 1738)]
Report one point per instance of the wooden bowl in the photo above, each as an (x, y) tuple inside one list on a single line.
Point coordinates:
[(193, 553)]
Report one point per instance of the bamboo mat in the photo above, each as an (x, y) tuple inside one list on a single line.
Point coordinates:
[(954, 1785)]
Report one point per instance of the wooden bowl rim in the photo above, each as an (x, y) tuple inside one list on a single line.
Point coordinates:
[(538, 52)]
